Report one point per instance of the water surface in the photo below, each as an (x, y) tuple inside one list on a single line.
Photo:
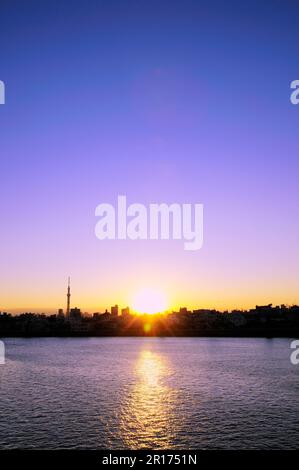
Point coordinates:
[(175, 393)]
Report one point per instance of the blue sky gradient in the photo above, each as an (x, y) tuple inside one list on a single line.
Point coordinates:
[(163, 101)]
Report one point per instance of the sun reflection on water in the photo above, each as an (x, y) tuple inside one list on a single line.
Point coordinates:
[(146, 416)]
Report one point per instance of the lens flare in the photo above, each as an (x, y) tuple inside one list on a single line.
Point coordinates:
[(149, 301)]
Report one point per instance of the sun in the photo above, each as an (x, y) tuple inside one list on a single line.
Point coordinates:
[(149, 301)]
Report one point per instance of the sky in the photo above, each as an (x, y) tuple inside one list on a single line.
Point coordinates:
[(161, 101)]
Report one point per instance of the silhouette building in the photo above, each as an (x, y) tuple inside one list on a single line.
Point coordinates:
[(75, 314), (114, 310), (60, 313), (68, 297), (125, 311)]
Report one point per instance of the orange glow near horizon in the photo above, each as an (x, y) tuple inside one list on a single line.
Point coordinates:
[(149, 301), (97, 294)]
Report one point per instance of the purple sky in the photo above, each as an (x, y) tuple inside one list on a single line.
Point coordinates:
[(172, 101)]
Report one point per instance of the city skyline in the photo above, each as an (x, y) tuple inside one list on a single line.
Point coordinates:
[(142, 304), (149, 261), (262, 321)]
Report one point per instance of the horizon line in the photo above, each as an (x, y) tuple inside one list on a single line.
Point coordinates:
[(51, 311)]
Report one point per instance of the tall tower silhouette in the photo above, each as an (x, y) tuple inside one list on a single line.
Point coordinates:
[(68, 296)]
